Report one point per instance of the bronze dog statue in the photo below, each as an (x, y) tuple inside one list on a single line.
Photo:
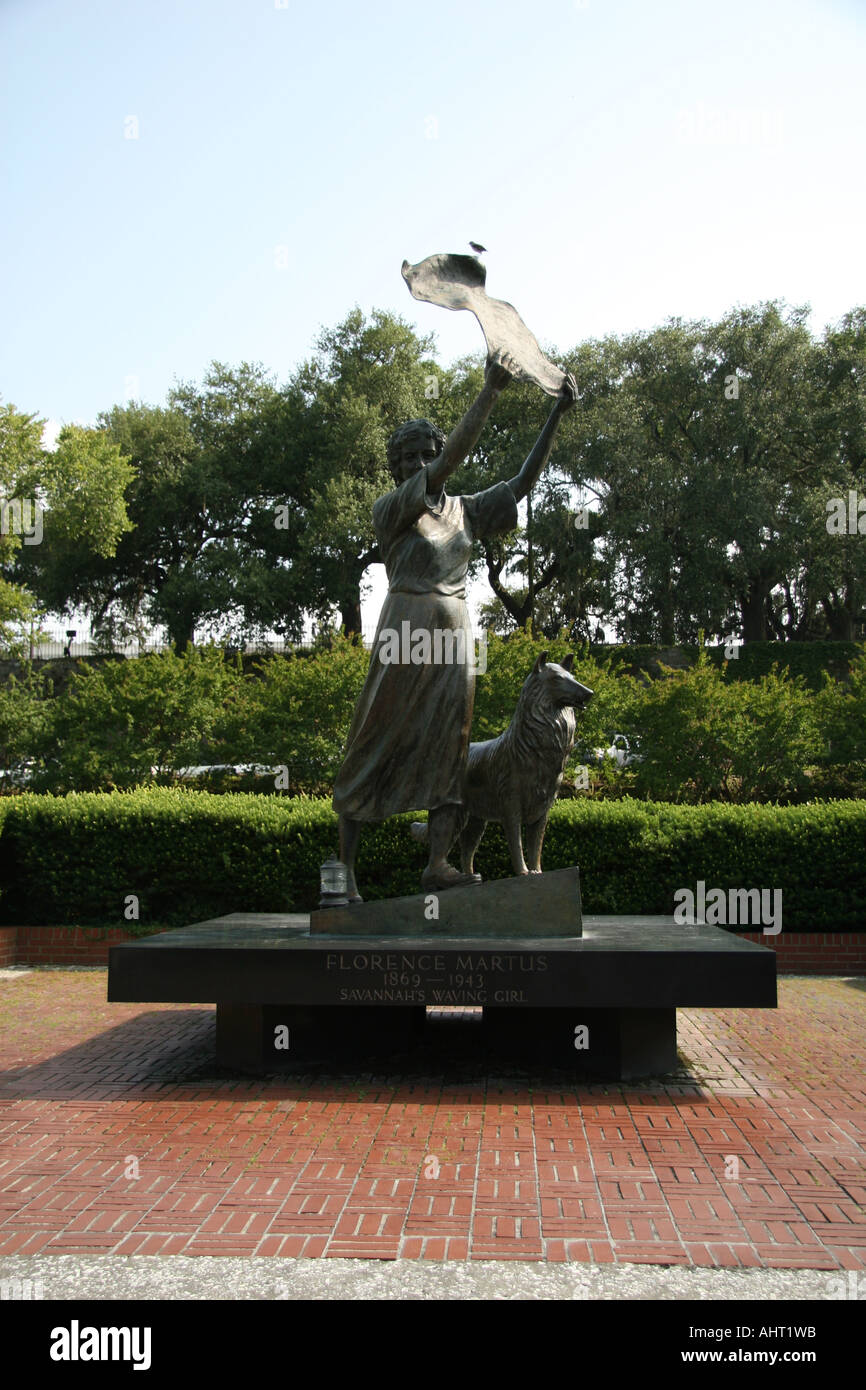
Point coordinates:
[(514, 779)]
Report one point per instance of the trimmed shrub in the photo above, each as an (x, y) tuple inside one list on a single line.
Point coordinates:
[(810, 660), (189, 855)]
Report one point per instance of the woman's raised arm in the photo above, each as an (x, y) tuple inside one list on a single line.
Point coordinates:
[(525, 480), (463, 438)]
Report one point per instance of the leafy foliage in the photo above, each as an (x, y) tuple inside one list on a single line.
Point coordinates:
[(190, 855), (20, 455), (295, 714), (81, 488), (702, 733), (24, 718), (704, 738), (130, 722), (702, 458), (368, 376)]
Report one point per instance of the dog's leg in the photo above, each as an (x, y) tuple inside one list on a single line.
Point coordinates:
[(534, 841), (470, 838), (515, 846)]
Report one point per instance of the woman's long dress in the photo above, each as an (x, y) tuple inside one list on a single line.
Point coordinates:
[(409, 738)]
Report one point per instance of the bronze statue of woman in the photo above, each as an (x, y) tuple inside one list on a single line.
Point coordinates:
[(409, 738)]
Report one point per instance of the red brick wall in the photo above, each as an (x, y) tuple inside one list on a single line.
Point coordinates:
[(797, 953), (66, 945), (815, 953), (7, 946)]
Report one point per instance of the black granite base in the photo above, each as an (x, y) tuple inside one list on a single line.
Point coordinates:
[(595, 1044), (281, 1037), (285, 996)]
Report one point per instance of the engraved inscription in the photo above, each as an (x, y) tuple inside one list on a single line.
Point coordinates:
[(429, 977)]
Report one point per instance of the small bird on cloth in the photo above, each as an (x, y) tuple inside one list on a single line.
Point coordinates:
[(457, 282)]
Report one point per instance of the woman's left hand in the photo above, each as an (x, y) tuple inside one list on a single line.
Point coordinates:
[(496, 374), (568, 395)]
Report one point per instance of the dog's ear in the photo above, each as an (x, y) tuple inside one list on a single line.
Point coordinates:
[(567, 662), (542, 661)]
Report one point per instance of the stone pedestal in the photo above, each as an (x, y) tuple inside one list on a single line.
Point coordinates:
[(597, 1044), (358, 983), (280, 1037), (544, 905)]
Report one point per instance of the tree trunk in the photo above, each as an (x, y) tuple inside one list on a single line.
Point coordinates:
[(530, 575), (666, 619), (844, 627), (354, 570), (181, 632), (350, 614), (840, 620), (520, 610), (754, 612)]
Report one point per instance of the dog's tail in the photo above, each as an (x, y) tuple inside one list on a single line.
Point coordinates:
[(418, 831)]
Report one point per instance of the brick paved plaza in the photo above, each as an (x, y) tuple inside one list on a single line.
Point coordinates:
[(752, 1156)]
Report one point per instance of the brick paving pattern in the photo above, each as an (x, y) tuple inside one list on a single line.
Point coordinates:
[(119, 1135)]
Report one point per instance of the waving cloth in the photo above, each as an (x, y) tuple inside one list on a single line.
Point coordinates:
[(457, 282)]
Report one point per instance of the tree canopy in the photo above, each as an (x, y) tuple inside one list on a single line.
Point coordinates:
[(706, 481)]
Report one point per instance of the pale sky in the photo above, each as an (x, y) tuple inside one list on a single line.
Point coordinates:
[(186, 180)]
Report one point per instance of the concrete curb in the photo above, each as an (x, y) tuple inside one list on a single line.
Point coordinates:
[(219, 1278)]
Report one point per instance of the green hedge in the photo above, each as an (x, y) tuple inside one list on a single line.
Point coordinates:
[(189, 855), (809, 660)]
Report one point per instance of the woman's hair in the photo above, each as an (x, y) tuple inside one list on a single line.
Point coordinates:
[(404, 432)]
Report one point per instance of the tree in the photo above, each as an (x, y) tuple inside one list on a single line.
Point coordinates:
[(206, 478), (832, 582), (251, 505), (764, 438), (81, 485), (701, 441), (20, 456), (368, 376), (74, 511), (687, 492), (552, 559)]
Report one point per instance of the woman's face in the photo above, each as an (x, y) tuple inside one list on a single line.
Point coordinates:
[(415, 451)]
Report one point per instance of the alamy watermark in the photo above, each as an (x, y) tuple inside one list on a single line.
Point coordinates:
[(421, 646), (77, 1343), (846, 517), (21, 1290), (707, 125), (738, 907), (21, 516), (847, 1284)]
